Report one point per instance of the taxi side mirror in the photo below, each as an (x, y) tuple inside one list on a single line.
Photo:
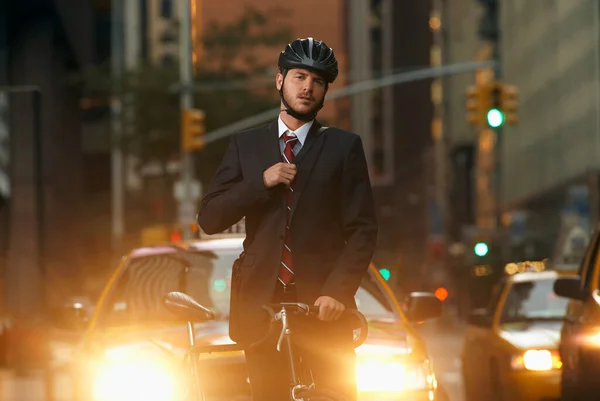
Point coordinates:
[(422, 306), (480, 317), (569, 287)]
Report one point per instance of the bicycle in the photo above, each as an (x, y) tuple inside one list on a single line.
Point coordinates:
[(300, 391), (186, 307)]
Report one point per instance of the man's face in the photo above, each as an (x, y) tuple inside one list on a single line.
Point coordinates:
[(304, 90)]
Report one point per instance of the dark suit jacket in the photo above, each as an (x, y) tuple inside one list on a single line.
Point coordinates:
[(333, 223)]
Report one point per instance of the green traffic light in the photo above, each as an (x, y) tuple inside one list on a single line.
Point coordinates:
[(385, 273), (480, 249), (220, 285), (495, 118)]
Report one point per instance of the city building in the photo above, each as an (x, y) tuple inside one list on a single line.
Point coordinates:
[(550, 159), (42, 44)]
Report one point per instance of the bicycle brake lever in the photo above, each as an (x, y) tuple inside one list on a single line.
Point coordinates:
[(284, 326)]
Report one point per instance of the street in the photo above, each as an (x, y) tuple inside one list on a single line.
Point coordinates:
[(30, 387), (444, 339)]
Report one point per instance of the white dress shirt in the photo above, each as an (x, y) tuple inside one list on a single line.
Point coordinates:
[(300, 133)]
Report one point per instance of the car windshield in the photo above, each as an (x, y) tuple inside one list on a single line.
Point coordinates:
[(203, 274), (533, 300)]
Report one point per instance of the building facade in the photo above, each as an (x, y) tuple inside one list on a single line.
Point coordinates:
[(551, 52), (42, 44)]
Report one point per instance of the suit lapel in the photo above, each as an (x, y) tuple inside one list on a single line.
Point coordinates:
[(305, 161), (269, 146), (269, 150), (308, 143)]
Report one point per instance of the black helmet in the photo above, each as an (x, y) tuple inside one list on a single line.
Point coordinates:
[(312, 55)]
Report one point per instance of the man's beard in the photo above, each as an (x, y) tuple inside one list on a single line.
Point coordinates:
[(305, 116)]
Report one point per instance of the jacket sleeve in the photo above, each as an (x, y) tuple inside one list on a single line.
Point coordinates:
[(231, 195), (359, 224)]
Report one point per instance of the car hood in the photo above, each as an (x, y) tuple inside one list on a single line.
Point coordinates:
[(385, 337), (169, 338), (527, 335)]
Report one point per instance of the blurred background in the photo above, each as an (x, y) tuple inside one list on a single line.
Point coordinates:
[(480, 121)]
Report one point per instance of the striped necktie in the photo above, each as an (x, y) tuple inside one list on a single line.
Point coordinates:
[(286, 269)]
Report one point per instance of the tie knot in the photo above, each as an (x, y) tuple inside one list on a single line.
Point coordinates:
[(289, 137)]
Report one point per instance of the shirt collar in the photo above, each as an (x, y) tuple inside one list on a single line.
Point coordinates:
[(301, 132)]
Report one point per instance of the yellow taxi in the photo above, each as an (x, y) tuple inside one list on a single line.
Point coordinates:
[(510, 349), (132, 346)]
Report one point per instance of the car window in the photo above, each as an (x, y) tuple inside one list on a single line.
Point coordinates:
[(138, 293), (371, 307), (531, 300)]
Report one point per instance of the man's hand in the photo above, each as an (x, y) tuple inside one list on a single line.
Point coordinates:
[(329, 308), (280, 173)]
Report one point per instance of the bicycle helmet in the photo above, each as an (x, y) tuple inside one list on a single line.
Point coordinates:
[(312, 55)]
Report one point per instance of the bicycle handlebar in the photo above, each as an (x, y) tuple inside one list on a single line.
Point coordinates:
[(281, 316)]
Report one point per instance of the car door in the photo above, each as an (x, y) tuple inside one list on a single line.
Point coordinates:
[(478, 338), (492, 351), (578, 312)]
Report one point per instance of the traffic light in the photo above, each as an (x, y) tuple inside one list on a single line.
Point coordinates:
[(481, 249), (509, 103), (192, 129), (493, 104), (477, 104), (385, 273), (178, 230), (176, 235), (495, 113), (441, 293), (220, 285)]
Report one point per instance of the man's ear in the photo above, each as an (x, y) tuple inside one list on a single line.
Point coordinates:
[(279, 81)]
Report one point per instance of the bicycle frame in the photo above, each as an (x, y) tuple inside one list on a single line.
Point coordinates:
[(285, 341), (284, 344), (195, 379)]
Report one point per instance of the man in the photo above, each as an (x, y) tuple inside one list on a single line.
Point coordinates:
[(311, 229)]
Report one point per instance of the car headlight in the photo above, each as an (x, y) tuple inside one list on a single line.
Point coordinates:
[(537, 360), (134, 377), (394, 376), (590, 340)]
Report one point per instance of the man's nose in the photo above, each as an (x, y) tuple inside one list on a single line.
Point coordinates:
[(308, 85)]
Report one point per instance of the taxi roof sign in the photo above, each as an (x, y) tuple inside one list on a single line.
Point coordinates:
[(525, 266)]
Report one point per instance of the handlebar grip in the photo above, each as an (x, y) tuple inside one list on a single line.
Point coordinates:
[(313, 310), (359, 322), (362, 325)]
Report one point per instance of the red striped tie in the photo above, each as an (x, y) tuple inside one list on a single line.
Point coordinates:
[(286, 270)]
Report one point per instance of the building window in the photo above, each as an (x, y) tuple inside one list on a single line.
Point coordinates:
[(168, 60), (166, 8), (168, 36)]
